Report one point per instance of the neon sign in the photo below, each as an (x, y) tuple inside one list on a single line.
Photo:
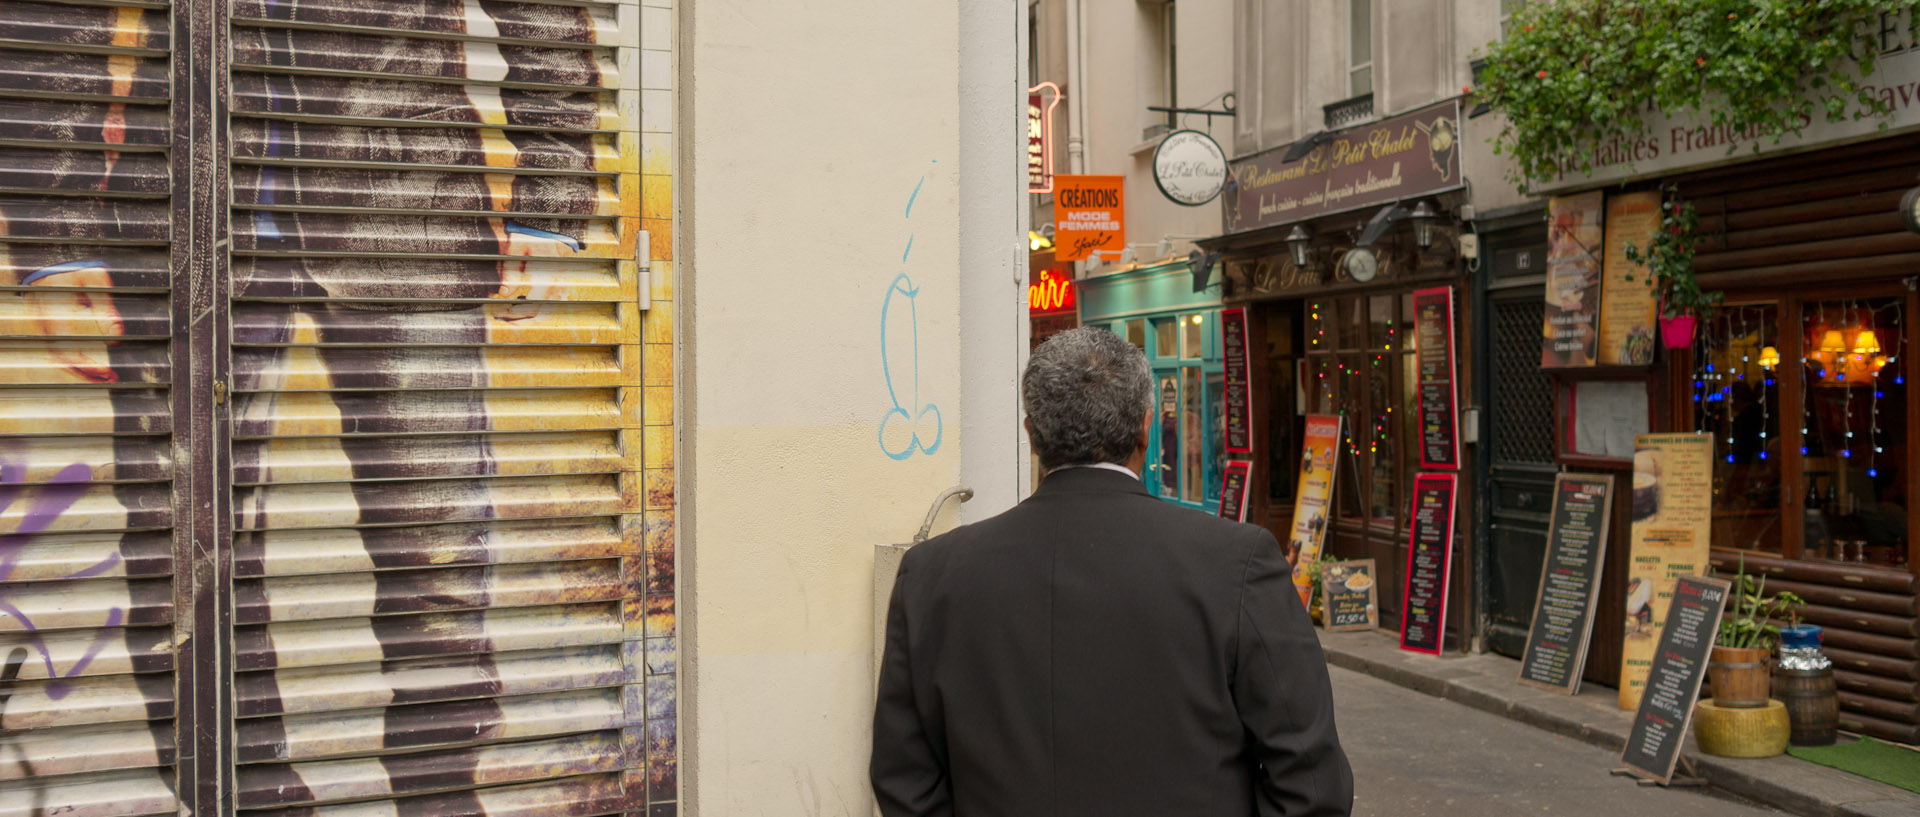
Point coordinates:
[(1040, 137), (1053, 292)]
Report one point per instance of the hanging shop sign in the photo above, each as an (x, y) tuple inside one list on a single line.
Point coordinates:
[(1041, 100), (1660, 721), (1238, 390), (1049, 291), (1569, 583), (1910, 210), (1189, 167), (1439, 391), (1423, 614), (1692, 142), (1348, 596), (1573, 281), (1671, 536), (1312, 498), (1233, 489), (1404, 157), (1090, 216), (1628, 310)]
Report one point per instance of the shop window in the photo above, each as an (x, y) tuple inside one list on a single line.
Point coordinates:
[(1736, 398), (1319, 322), (1216, 434), (1168, 430), (1193, 336), (1352, 330), (1192, 474), (1165, 337), (1382, 323), (1854, 431), (1137, 334), (1376, 433), (1370, 384)]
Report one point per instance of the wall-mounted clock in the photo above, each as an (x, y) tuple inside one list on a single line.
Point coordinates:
[(1910, 209), (1361, 264)]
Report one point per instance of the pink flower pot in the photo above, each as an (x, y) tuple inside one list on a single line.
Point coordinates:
[(1677, 333)]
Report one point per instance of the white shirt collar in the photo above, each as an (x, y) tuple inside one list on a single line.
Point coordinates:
[(1106, 465)]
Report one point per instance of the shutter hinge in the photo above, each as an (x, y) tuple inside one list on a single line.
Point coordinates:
[(643, 282)]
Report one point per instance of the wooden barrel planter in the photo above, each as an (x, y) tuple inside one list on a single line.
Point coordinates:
[(1739, 677), (1813, 705)]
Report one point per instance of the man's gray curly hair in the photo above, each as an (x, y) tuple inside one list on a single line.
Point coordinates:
[(1086, 392)]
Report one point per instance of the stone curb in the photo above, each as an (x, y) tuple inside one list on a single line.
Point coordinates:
[(1785, 783)]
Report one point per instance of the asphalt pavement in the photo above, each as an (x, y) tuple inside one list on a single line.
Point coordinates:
[(1414, 754)]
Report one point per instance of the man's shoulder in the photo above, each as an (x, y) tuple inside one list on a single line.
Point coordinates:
[(1131, 514)]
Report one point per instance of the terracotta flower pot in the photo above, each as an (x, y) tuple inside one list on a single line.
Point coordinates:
[(1677, 332), (1740, 677)]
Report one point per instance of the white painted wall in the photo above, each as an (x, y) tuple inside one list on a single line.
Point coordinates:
[(806, 131)]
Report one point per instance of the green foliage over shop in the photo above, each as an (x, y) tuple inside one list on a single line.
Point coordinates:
[(1573, 75)]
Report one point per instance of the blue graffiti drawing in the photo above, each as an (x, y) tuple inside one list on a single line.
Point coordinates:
[(903, 287)]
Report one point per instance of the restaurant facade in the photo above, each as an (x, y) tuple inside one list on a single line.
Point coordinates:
[(1800, 378), (1329, 248)]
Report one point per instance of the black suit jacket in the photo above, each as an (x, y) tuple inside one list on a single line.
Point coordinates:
[(1096, 651)]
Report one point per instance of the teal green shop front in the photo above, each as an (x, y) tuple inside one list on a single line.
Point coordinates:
[(1156, 309)]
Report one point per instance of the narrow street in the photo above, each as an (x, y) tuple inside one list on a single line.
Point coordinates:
[(1416, 755)]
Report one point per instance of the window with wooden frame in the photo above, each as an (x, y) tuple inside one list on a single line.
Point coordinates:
[(1360, 365), (1814, 426)]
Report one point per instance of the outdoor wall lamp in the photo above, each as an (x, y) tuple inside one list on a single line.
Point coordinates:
[(1423, 217), (1300, 242)]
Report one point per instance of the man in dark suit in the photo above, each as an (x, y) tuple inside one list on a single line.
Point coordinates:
[(1095, 651)]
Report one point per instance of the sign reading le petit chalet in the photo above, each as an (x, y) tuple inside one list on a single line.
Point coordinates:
[(1413, 154)]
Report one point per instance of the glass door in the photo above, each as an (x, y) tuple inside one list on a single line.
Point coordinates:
[(1187, 441)]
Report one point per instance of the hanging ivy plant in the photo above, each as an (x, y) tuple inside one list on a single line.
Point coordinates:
[(1574, 77)]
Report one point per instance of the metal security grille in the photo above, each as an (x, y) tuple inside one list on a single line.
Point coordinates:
[(437, 549), (86, 456), (1522, 394)]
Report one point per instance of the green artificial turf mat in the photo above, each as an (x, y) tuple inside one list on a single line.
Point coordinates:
[(1868, 758)]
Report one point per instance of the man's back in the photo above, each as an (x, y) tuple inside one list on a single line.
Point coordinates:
[(1095, 651)]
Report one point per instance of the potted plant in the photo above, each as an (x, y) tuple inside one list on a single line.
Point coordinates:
[(1738, 668), (1315, 569), (1668, 258)]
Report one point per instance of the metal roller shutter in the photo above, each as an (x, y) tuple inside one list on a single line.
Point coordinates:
[(438, 580), (86, 455)]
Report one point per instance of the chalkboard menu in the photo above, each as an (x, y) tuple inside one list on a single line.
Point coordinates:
[(1423, 617), (1233, 490), (1569, 583), (1439, 396), (1239, 405), (1660, 724), (1347, 596)]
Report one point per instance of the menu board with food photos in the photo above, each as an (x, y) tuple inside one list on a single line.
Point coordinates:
[(1348, 599)]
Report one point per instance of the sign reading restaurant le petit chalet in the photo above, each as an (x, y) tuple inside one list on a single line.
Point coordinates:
[(1402, 157)]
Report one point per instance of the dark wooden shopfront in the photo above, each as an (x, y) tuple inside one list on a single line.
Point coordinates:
[(1326, 344), (1803, 378)]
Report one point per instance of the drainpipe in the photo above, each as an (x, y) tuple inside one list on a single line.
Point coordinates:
[(1076, 81)]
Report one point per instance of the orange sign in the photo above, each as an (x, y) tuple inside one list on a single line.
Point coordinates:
[(1089, 215), (1051, 291)]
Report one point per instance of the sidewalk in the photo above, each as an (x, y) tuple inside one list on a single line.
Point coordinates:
[(1486, 682)]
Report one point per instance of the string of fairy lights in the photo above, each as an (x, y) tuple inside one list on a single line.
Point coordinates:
[(1850, 359)]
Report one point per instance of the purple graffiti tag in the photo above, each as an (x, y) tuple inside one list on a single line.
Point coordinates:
[(53, 499)]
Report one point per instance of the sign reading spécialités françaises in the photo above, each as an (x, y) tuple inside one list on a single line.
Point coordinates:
[(1413, 154), (1675, 142)]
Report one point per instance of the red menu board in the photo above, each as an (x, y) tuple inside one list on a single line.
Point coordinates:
[(1439, 392), (1233, 490), (1423, 614), (1239, 403)]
